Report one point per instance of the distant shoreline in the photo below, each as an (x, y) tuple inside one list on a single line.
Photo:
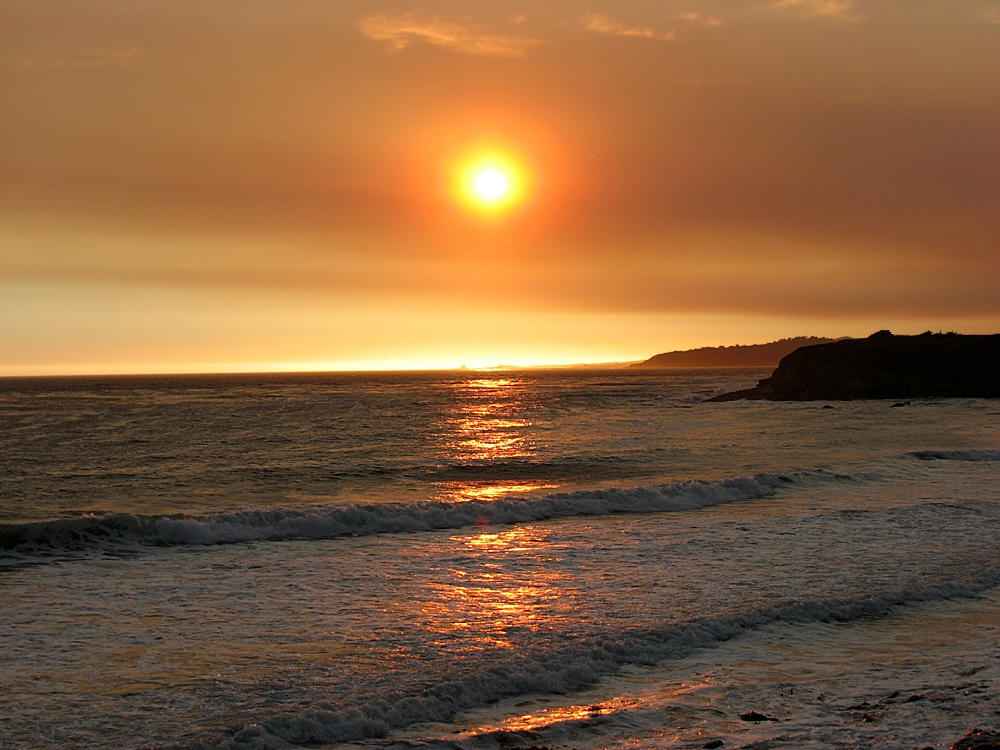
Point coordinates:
[(752, 355)]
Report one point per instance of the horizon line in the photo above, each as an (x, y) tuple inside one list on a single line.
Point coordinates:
[(311, 370)]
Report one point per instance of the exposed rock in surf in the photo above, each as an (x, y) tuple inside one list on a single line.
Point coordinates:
[(978, 739), (757, 717), (883, 366)]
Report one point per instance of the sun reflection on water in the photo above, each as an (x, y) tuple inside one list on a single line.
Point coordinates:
[(486, 597), (490, 383), (489, 432), (539, 711), (493, 490), (547, 716)]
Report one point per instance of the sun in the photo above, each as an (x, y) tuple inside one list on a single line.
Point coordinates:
[(490, 183)]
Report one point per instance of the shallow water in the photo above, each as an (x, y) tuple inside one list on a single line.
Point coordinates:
[(894, 681), (447, 559)]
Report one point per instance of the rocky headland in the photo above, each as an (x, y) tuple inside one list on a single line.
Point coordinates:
[(754, 355), (884, 366)]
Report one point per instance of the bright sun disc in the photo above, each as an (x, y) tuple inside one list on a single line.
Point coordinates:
[(490, 184)]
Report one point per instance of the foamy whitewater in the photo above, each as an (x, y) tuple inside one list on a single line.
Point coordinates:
[(486, 561)]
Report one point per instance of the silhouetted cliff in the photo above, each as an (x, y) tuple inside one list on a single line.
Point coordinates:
[(885, 366), (754, 355)]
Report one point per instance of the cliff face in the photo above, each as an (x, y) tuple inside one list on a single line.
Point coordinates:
[(939, 365), (754, 355)]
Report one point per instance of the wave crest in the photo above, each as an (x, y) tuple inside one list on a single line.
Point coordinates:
[(122, 530), (957, 455), (571, 669)]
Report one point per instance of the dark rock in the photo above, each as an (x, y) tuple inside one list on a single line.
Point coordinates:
[(932, 365), (712, 744), (756, 717), (978, 739)]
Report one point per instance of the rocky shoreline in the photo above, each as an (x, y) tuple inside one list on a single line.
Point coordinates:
[(884, 366), (978, 739)]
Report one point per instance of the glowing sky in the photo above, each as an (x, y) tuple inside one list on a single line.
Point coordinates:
[(191, 185)]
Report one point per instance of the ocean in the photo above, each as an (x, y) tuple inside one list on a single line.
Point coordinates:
[(492, 560)]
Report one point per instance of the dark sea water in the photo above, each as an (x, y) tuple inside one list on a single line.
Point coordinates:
[(486, 560)]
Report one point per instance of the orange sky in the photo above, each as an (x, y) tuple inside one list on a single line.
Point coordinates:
[(189, 185)]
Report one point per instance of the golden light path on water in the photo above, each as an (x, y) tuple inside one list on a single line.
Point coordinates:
[(486, 597), (487, 426)]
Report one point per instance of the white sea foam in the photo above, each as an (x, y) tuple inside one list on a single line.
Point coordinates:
[(123, 530), (572, 669)]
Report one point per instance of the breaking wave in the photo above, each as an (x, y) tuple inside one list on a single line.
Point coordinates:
[(23, 542), (123, 530), (567, 669)]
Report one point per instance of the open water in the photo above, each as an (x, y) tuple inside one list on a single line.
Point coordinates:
[(492, 560)]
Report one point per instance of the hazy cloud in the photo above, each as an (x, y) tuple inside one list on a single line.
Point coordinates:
[(604, 25), (698, 18), (104, 57), (402, 30), (839, 10)]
